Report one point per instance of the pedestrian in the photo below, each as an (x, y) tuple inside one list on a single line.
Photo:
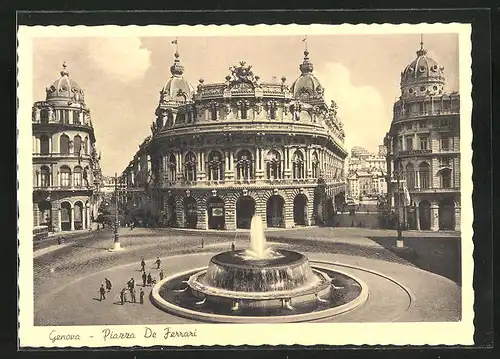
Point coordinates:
[(131, 284), (232, 247), (161, 274), (143, 265), (108, 284), (102, 293), (125, 295), (158, 262), (144, 279), (122, 296), (132, 294), (150, 279), (141, 297), (202, 243)]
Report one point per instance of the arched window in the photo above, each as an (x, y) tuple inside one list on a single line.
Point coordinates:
[(44, 116), (65, 173), (273, 165), (86, 146), (44, 176), (44, 145), (423, 173), (410, 176), (64, 145), (77, 144), (315, 165), (244, 165), (190, 167), (446, 178), (78, 176), (215, 166), (172, 168), (298, 165)]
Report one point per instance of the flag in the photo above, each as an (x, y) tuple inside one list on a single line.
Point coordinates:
[(174, 41), (407, 198)]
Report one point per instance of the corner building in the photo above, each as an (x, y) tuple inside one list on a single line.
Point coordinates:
[(66, 169), (424, 148), (226, 151)]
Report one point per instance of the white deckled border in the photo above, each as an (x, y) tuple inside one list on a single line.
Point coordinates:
[(244, 334)]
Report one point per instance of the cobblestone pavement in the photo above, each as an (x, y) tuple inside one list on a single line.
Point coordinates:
[(91, 254), (74, 271)]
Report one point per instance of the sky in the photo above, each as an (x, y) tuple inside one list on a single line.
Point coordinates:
[(122, 76)]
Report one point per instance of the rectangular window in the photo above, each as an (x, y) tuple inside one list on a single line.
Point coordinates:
[(446, 179), (423, 142), (409, 144), (65, 179), (78, 179), (445, 143)]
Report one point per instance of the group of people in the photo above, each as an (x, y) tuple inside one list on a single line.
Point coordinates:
[(124, 292), (130, 290)]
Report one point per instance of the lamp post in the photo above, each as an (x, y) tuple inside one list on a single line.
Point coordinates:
[(116, 241)]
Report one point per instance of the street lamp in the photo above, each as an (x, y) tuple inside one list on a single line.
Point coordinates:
[(116, 241)]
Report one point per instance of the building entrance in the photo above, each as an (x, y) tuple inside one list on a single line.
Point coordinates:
[(216, 213), (300, 210), (275, 211), (245, 210), (190, 212)]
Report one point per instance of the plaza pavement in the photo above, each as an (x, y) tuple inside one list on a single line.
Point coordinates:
[(67, 277)]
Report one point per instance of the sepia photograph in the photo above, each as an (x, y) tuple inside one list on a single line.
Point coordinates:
[(311, 183)]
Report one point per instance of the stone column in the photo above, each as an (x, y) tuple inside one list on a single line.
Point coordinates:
[(310, 214), (71, 120), (417, 215), (72, 218), (33, 144), (458, 218), (259, 159), (59, 223), (36, 215), (308, 162), (179, 212), (89, 220), (51, 115), (80, 115), (230, 215), (84, 215), (230, 173), (37, 115), (201, 213), (200, 165), (434, 217)]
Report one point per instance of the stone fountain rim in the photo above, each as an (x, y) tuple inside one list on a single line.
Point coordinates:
[(267, 262), (294, 318), (325, 282)]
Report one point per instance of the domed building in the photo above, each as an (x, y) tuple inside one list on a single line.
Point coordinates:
[(423, 146), (226, 151), (66, 167)]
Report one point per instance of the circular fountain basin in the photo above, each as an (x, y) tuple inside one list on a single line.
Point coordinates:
[(235, 279)]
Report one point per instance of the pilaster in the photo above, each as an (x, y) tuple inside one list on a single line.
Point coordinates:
[(434, 217)]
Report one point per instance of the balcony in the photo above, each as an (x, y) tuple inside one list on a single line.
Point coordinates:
[(434, 190), (413, 152), (63, 188), (61, 155), (288, 182), (428, 113)]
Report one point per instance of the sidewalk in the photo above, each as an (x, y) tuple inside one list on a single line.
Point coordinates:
[(53, 239)]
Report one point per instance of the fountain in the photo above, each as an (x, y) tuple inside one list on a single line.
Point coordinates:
[(256, 282)]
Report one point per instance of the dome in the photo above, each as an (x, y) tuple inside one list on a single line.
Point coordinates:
[(64, 88), (423, 76), (177, 88), (307, 86)]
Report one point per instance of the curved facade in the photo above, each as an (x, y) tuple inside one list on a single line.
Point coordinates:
[(243, 147), (424, 147), (66, 168)]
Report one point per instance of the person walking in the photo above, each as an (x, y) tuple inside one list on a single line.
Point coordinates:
[(143, 265), (122, 296), (233, 247), (131, 284), (144, 279), (108, 284), (141, 297), (161, 274), (158, 262), (150, 279), (132, 294), (102, 293)]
